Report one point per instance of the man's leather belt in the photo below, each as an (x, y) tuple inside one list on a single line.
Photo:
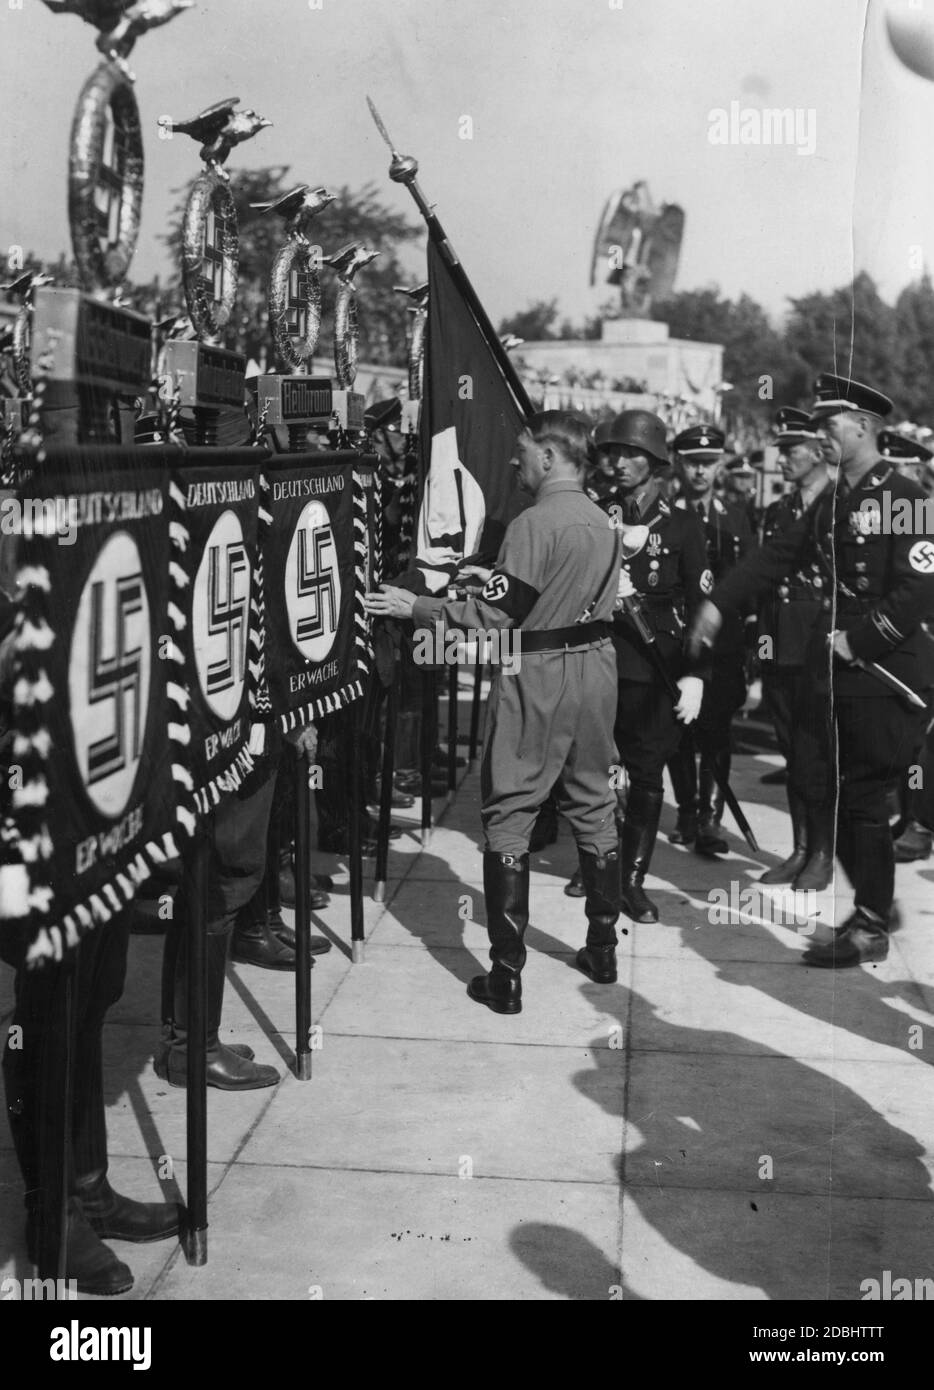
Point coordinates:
[(561, 639)]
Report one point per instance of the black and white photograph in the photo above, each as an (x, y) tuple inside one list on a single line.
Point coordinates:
[(467, 662)]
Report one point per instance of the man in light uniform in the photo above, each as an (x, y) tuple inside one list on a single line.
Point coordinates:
[(551, 715)]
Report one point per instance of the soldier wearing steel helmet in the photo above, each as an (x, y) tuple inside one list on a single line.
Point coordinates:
[(668, 577)]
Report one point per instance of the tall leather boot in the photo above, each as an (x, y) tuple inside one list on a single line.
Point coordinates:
[(111, 1216), (710, 805), (227, 1069), (788, 870), (873, 868), (818, 871), (637, 841), (170, 969), (682, 769), (93, 1265), (600, 873), (506, 889)]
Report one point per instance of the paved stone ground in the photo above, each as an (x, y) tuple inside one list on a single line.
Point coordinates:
[(721, 1124)]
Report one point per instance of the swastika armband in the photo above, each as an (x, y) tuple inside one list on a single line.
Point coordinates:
[(921, 557), (513, 596)]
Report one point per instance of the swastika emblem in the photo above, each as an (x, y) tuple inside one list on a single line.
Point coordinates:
[(220, 619), (496, 587), (109, 675), (921, 557), (212, 253), (312, 584)]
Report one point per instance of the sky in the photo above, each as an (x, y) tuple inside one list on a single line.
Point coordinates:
[(569, 100)]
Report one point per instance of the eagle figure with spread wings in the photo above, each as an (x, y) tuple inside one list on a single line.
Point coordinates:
[(638, 243)]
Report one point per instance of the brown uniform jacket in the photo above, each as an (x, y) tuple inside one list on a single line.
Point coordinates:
[(558, 567)]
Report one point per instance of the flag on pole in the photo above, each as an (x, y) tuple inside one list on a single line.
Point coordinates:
[(469, 424)]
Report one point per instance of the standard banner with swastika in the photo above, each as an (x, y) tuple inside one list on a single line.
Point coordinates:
[(91, 800), (311, 582), (214, 513)]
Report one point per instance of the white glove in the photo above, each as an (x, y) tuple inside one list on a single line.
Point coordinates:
[(692, 693), (305, 739), (625, 588)]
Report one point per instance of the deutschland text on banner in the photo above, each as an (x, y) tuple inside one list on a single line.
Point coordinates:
[(214, 525), (310, 588)]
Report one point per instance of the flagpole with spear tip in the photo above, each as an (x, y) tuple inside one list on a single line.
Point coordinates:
[(404, 169)]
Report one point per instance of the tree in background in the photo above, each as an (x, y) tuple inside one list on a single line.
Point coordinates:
[(914, 318), (762, 367), (850, 329), (355, 215), (534, 323)]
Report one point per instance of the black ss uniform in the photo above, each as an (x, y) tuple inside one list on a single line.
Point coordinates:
[(729, 539), (786, 620), (670, 576), (878, 588)]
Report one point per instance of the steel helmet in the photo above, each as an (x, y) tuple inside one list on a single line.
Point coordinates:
[(639, 429)]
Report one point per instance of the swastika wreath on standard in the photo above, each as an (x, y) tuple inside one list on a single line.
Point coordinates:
[(310, 582), (217, 646), (94, 737)]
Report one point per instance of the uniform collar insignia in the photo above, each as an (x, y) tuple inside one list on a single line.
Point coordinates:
[(877, 476)]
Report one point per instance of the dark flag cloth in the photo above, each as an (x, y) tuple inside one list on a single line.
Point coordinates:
[(469, 423), (313, 558), (89, 804), (215, 616)]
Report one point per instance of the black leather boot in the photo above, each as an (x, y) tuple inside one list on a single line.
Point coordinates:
[(788, 870), (600, 873), (226, 1068), (818, 871), (637, 841), (255, 944), (506, 889), (114, 1217), (682, 769), (92, 1264), (913, 843), (170, 953), (710, 808), (574, 888), (872, 867), (863, 938), (319, 945)]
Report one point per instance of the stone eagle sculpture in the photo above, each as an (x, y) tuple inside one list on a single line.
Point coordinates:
[(637, 247)]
